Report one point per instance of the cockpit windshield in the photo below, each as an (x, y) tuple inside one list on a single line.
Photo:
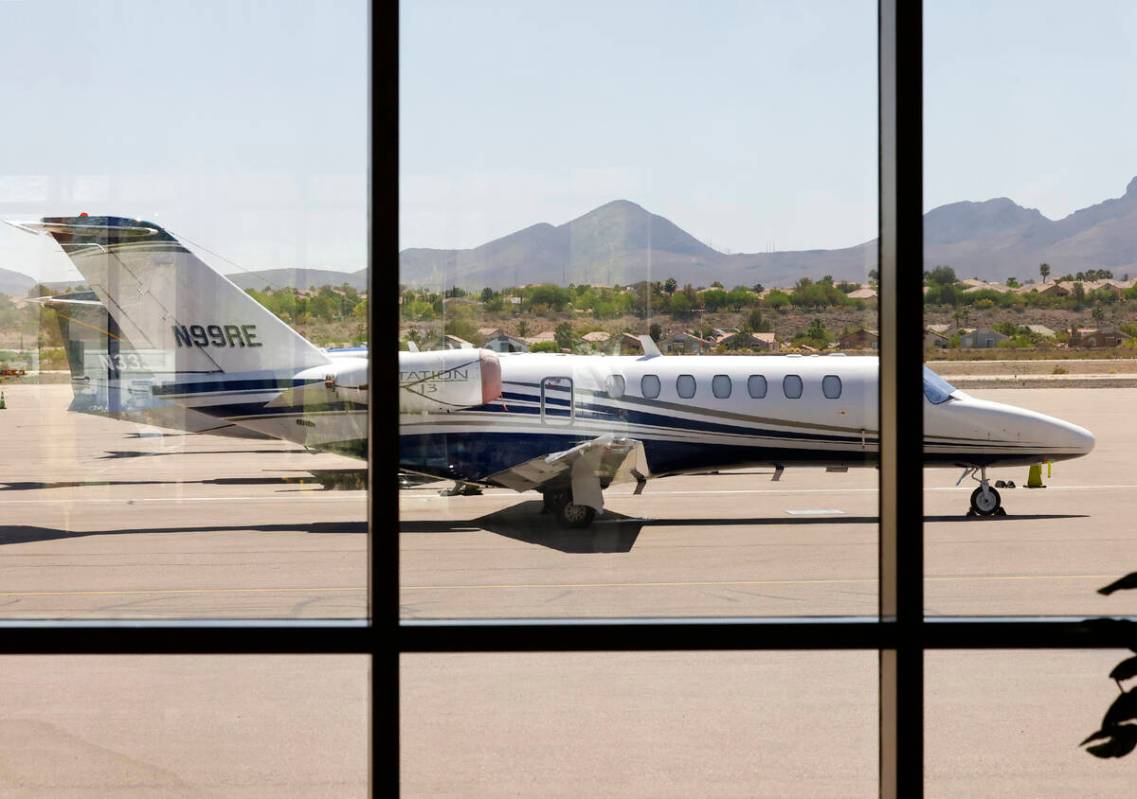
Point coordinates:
[(936, 389)]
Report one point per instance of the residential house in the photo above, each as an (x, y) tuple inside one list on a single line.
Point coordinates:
[(863, 293), (1041, 330), (862, 339), (765, 342), (935, 339), (979, 338), (500, 341), (450, 342), (596, 339), (685, 343), (1096, 339)]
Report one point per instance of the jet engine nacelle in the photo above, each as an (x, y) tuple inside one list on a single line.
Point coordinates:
[(447, 380)]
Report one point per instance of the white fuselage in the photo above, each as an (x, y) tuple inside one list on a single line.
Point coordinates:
[(693, 413)]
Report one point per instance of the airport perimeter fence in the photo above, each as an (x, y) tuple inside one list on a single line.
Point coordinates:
[(901, 634)]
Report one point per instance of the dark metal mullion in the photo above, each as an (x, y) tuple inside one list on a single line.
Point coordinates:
[(383, 408), (901, 422)]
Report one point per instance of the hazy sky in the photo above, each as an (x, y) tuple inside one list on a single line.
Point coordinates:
[(240, 125), (751, 124)]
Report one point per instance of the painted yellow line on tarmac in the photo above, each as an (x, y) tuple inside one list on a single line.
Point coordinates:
[(179, 591), (720, 583)]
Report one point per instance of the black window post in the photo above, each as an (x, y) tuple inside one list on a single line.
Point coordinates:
[(901, 401)]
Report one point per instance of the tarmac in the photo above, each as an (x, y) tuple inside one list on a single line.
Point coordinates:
[(774, 724), (106, 519)]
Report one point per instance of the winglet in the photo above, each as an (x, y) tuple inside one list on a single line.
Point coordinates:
[(411, 346), (650, 348)]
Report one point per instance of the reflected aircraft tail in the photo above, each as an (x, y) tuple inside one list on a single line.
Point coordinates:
[(165, 298)]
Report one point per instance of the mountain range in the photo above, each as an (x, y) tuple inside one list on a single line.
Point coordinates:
[(621, 243)]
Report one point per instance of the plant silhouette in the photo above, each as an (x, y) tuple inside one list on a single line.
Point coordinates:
[(1117, 736)]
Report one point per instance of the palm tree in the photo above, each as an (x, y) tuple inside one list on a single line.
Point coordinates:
[(1044, 270)]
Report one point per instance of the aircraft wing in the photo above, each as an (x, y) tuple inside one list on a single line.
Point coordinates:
[(586, 467)]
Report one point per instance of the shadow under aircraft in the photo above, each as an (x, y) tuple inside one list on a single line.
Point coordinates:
[(616, 532)]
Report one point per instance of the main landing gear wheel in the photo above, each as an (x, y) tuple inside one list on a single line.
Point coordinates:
[(567, 513), (987, 503)]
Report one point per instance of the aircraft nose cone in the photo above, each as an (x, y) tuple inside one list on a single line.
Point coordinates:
[(1077, 438)]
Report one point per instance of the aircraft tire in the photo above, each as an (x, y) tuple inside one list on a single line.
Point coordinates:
[(575, 517), (986, 505)]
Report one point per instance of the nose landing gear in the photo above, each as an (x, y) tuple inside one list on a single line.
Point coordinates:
[(985, 500)]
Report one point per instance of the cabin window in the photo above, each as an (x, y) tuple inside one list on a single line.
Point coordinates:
[(756, 385), (685, 386), (792, 386), (831, 386), (720, 386), (615, 386), (649, 386)]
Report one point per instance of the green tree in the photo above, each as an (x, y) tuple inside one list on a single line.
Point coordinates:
[(564, 337), (942, 276), (522, 328), (487, 294), (655, 331), (670, 285), (1044, 270)]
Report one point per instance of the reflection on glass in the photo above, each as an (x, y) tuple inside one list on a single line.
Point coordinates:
[(183, 333), (587, 285), (1009, 723)]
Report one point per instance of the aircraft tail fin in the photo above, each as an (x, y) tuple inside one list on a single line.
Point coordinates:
[(164, 298)]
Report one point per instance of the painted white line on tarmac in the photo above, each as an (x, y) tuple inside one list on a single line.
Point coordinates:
[(180, 591), (723, 583), (125, 500), (770, 492)]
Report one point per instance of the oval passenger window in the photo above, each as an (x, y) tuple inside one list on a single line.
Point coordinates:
[(615, 386), (720, 386), (685, 386), (791, 386), (831, 386), (649, 386), (756, 385)]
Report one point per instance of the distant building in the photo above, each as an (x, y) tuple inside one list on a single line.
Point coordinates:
[(1041, 330), (935, 339), (596, 339), (863, 293), (862, 339), (685, 343), (454, 343), (543, 336), (500, 341), (979, 338), (765, 342), (1096, 339)]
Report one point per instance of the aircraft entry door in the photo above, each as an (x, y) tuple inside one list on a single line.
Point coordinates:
[(557, 406)]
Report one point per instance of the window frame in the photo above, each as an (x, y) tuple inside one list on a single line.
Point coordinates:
[(900, 634)]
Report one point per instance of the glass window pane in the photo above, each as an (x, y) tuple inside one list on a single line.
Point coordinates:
[(1010, 723), (591, 250), (720, 386), (756, 386), (1028, 389), (792, 386), (615, 386), (649, 386), (183, 332), (685, 386), (831, 386), (738, 727), (231, 725)]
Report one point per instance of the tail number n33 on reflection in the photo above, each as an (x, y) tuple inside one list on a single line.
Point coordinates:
[(216, 335)]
